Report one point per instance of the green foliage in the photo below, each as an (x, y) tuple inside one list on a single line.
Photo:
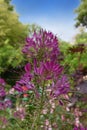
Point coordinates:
[(81, 12), (81, 37), (9, 56), (11, 28), (64, 46), (71, 60), (12, 36), (34, 27), (67, 62)]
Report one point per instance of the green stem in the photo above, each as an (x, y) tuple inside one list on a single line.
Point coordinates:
[(41, 104), (18, 124)]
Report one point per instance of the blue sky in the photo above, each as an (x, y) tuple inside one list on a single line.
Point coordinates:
[(53, 15)]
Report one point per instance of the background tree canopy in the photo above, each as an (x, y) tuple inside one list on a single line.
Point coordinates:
[(81, 12), (10, 26), (12, 36), (81, 37)]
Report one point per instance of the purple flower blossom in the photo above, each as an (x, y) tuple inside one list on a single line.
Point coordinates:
[(25, 80), (7, 103), (25, 84), (52, 69), (20, 113), (4, 122), (2, 82), (80, 128), (27, 67), (61, 102), (76, 128), (48, 70), (42, 49), (18, 87), (1, 105), (2, 92), (42, 45), (60, 87)]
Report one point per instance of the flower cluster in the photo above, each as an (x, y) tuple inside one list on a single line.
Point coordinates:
[(80, 128), (4, 103), (2, 90), (8, 105), (4, 122), (61, 87), (20, 113), (42, 48), (2, 82), (48, 70), (43, 45)]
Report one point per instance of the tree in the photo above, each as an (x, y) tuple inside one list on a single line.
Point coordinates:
[(12, 36), (81, 12), (10, 26), (64, 46), (71, 55), (81, 37), (10, 7)]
